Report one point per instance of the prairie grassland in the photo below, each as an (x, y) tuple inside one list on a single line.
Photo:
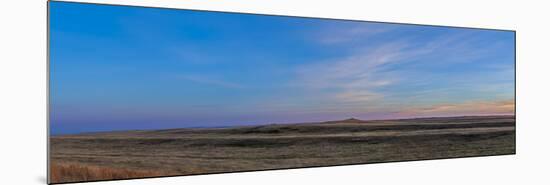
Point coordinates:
[(66, 172), (149, 153)]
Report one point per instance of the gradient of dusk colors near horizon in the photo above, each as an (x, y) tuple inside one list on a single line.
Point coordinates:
[(128, 68)]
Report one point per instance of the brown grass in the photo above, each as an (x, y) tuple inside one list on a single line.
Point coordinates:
[(81, 172), (276, 146)]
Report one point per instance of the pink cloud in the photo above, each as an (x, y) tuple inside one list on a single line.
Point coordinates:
[(505, 107)]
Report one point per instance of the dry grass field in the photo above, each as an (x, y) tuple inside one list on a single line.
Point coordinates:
[(61, 172), (149, 153)]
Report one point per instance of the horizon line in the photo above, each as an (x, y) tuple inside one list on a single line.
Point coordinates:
[(287, 123)]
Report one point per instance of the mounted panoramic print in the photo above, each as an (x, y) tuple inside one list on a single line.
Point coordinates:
[(139, 92)]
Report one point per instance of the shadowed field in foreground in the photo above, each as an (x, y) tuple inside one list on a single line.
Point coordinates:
[(131, 154)]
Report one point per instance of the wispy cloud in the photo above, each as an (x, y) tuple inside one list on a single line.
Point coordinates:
[(360, 80), (357, 66), (465, 108), (357, 77)]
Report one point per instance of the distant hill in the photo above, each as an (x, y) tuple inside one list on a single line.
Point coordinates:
[(350, 125), (350, 120)]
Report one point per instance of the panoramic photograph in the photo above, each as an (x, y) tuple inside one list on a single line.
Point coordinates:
[(139, 92)]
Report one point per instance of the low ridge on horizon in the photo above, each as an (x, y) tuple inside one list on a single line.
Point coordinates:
[(348, 120)]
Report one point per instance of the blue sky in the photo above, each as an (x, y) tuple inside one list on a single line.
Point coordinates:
[(122, 68)]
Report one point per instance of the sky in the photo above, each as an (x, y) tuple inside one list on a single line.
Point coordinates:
[(132, 68)]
